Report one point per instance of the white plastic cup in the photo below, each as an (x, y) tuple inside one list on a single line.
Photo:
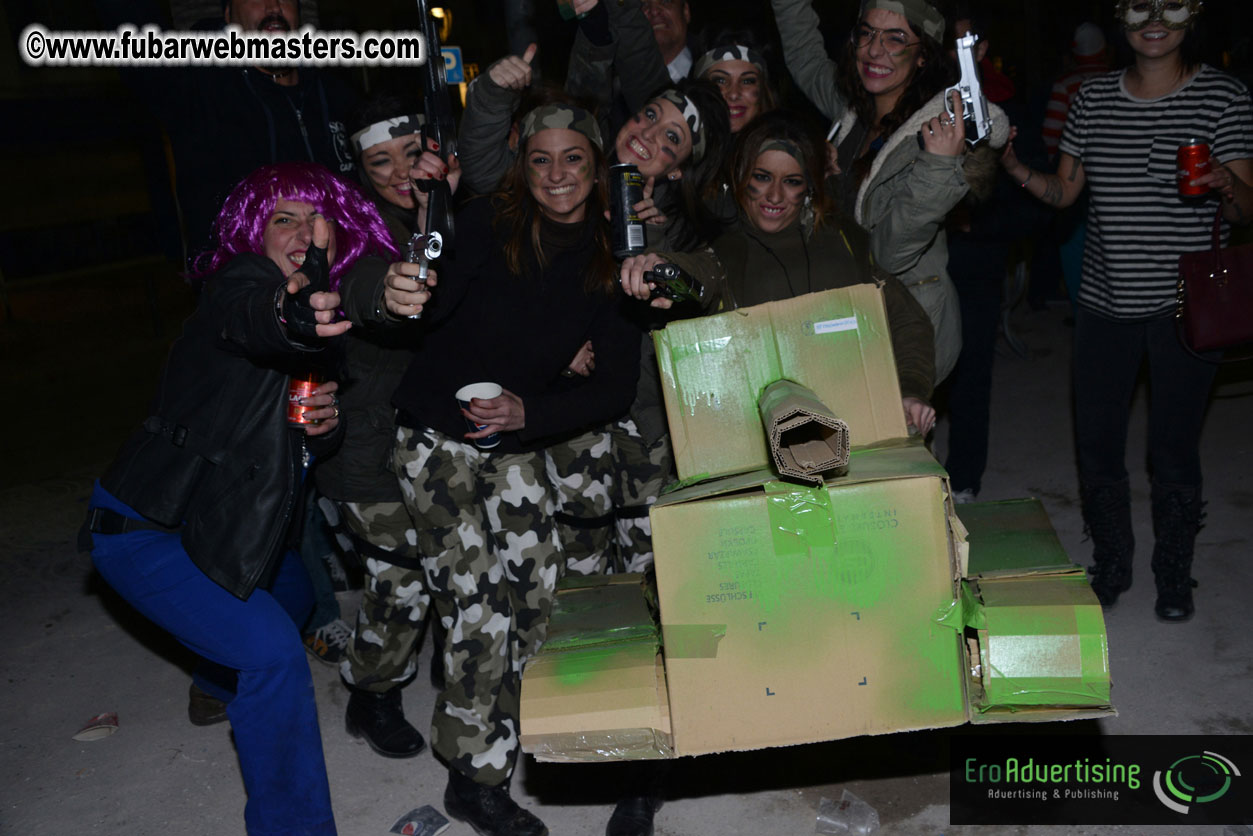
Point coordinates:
[(484, 391)]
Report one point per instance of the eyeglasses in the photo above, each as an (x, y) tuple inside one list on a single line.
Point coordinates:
[(892, 40)]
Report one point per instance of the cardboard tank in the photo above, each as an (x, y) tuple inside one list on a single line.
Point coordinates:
[(853, 598)]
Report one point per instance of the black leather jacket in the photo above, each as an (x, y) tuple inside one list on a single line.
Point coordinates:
[(216, 455)]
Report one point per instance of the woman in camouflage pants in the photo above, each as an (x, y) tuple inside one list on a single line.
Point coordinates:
[(532, 280)]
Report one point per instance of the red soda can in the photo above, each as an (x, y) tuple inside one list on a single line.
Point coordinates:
[(1192, 161), (300, 387)]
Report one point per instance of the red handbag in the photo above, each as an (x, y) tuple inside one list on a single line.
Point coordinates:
[(1215, 296)]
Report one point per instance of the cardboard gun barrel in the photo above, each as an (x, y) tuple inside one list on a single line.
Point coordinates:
[(806, 439)]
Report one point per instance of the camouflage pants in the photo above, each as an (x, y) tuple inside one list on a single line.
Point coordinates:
[(491, 560), (388, 629), (642, 470), (581, 471)]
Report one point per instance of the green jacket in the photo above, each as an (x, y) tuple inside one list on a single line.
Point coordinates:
[(907, 194)]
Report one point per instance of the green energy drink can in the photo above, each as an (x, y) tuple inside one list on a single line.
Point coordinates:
[(626, 188)]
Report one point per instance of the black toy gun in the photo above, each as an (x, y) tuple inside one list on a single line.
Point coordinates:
[(974, 103), (426, 247), (670, 282)]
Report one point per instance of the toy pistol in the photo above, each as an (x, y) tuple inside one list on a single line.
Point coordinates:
[(974, 103), (439, 127), (424, 247), (670, 282)]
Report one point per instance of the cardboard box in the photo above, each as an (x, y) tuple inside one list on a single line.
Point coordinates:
[(1035, 633), (714, 369), (597, 689), (793, 614), (805, 438)]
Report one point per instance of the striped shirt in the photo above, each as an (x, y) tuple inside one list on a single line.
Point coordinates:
[(1138, 225)]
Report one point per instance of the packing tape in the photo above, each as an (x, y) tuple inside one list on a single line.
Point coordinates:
[(692, 641), (607, 637), (574, 668), (595, 746), (801, 522), (1093, 650), (682, 351), (972, 608)]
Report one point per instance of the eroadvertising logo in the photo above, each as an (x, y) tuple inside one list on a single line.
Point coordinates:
[(1095, 779), (1194, 779)]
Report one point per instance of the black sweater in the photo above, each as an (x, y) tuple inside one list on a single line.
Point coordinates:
[(489, 325)]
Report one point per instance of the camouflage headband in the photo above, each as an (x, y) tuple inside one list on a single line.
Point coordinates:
[(729, 52), (919, 13), (791, 149), (381, 132), (691, 114), (561, 117)]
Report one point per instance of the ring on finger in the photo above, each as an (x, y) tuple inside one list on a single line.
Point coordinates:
[(336, 415)]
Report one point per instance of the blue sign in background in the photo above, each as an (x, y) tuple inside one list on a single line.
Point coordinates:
[(454, 72)]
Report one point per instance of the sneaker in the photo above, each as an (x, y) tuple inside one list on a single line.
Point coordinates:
[(964, 496), (329, 642)]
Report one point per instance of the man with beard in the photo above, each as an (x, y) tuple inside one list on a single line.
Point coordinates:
[(224, 122)]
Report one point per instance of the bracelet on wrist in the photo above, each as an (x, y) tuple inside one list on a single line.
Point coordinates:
[(1024, 183)]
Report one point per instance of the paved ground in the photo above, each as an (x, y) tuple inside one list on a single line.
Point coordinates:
[(76, 370)]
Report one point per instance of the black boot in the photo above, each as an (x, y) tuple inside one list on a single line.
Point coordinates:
[(1176, 521), (1107, 520), (380, 719), (633, 816), (489, 810), (203, 709)]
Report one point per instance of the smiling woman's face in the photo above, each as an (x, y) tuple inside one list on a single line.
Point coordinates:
[(560, 171), (887, 53), (656, 140), (288, 233), (739, 82), (388, 164), (775, 191)]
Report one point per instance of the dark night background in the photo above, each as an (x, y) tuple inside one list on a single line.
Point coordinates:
[(89, 244), (81, 123)]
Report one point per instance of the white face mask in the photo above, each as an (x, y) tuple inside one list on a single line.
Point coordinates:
[(1173, 14)]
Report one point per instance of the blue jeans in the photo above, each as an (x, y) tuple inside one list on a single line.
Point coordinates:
[(272, 713)]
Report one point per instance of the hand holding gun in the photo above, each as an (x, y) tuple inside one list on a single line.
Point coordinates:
[(440, 135), (974, 103), (670, 282), (964, 104)]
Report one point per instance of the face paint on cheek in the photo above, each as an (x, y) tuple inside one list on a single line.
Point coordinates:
[(583, 171), (532, 174)]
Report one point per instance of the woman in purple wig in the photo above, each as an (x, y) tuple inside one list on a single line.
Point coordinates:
[(190, 523)]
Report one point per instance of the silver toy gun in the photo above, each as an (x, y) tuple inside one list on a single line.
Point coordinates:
[(424, 248), (974, 103)]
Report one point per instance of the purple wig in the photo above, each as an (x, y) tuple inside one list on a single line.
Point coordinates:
[(240, 226)]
